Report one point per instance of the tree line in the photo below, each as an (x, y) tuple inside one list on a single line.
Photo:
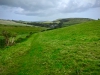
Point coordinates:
[(53, 25)]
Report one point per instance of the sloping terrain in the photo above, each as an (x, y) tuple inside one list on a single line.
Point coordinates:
[(57, 23), (9, 22), (73, 50), (73, 21), (16, 33)]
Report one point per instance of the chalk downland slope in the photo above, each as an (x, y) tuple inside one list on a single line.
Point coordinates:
[(73, 50)]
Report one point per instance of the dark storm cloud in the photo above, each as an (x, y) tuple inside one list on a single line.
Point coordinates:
[(30, 4), (48, 7)]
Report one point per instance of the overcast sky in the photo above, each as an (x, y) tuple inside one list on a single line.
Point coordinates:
[(40, 10)]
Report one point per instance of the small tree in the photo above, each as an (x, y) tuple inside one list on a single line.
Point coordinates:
[(6, 35), (9, 38)]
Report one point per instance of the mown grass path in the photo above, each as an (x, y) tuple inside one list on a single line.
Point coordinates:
[(11, 56)]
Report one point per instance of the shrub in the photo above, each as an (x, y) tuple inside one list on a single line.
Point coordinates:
[(9, 38)]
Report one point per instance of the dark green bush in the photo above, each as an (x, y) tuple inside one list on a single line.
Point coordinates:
[(2, 43)]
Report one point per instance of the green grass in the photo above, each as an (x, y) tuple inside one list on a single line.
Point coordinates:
[(73, 21), (73, 50), (20, 29), (21, 32)]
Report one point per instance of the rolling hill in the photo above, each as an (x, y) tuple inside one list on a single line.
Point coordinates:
[(57, 23), (10, 22), (72, 21), (73, 50)]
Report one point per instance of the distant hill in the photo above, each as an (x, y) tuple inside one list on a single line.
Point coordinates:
[(72, 21), (60, 22), (49, 24), (10, 22)]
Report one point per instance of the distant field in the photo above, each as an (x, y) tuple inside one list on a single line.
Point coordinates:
[(9, 22), (73, 50), (47, 22), (20, 29)]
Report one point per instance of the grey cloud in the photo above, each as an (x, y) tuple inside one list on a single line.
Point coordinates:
[(48, 7), (30, 4), (79, 5)]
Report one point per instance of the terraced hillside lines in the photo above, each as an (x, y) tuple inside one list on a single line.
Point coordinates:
[(73, 50)]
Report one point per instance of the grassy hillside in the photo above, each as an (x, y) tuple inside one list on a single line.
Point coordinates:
[(73, 50), (9, 22), (57, 23), (20, 32), (20, 29), (73, 21)]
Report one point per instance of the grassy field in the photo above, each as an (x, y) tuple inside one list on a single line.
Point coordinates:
[(17, 28), (21, 32), (11, 23), (20, 29), (73, 50)]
